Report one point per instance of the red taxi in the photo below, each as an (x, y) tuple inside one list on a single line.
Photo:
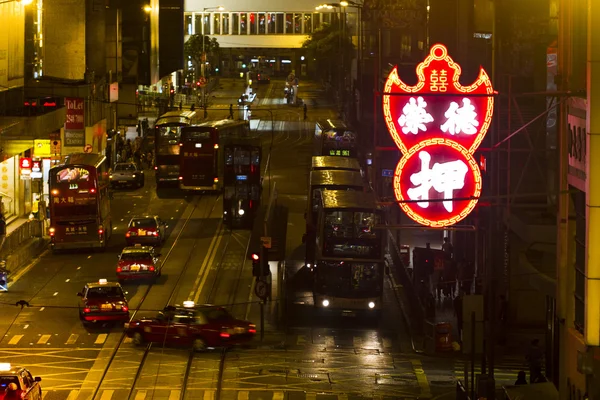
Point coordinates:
[(103, 301), (17, 383), (189, 325), (146, 230), (138, 262)]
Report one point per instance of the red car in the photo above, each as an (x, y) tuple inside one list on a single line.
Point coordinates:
[(138, 262), (198, 326), (103, 301), (147, 230)]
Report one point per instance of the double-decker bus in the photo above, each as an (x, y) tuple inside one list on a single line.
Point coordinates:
[(80, 202), (201, 157), (242, 182), (335, 138), (335, 163), (167, 134), (349, 253), (325, 180)]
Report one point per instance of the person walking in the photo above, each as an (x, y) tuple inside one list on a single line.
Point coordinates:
[(447, 248), (181, 105), (535, 357), (458, 313), (521, 379), (230, 111), (305, 111)]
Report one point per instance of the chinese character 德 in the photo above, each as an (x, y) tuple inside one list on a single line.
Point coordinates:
[(442, 177), (461, 119), (414, 116), (438, 81)]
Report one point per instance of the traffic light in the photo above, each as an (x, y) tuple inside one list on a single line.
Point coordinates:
[(260, 264), (255, 264)]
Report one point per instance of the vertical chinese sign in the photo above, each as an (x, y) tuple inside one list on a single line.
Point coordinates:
[(75, 122), (437, 124)]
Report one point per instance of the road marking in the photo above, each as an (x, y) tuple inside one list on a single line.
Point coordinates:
[(15, 339), (209, 395), (210, 261), (128, 340), (89, 257), (140, 395), (78, 268), (44, 339), (72, 339), (175, 395), (311, 396), (421, 378), (357, 341), (42, 309), (101, 338), (301, 340), (68, 280), (329, 341), (107, 394), (196, 286), (387, 343), (55, 294), (278, 395), (25, 326), (73, 394), (243, 395), (44, 394)]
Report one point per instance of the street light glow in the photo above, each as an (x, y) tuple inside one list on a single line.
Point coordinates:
[(344, 3), (26, 2), (221, 8), (148, 8)]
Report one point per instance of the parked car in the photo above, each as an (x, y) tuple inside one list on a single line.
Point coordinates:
[(127, 174)]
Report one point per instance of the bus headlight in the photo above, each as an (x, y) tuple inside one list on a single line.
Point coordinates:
[(371, 304), (325, 303), (241, 212)]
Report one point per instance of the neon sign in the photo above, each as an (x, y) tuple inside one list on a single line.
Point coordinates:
[(437, 124)]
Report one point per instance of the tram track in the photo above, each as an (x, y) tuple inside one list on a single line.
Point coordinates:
[(174, 291)]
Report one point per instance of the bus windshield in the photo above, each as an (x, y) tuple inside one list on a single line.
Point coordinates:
[(349, 280), (168, 139), (351, 234)]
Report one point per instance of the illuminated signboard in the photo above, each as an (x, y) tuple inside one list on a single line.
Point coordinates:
[(437, 124)]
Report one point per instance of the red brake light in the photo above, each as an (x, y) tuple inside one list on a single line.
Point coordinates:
[(92, 190), (119, 269), (180, 178), (100, 231), (127, 234), (252, 330), (86, 310), (155, 168), (255, 256), (125, 308), (151, 268), (225, 335)]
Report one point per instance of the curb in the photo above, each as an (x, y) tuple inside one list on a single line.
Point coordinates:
[(27, 255)]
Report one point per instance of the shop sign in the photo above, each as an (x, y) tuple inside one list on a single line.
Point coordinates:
[(41, 148), (25, 167), (437, 125), (74, 138), (75, 113), (36, 169)]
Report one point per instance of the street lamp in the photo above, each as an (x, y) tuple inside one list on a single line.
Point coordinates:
[(147, 8), (24, 2)]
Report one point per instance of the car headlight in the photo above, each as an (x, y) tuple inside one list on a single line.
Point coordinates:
[(325, 303), (371, 304)]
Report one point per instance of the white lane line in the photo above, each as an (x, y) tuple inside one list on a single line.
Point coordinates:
[(243, 395), (175, 395), (128, 340), (72, 394), (140, 395), (25, 326), (42, 309), (209, 263), (68, 280), (72, 339), (78, 268), (204, 262), (107, 394), (278, 395), (209, 395), (101, 338), (89, 257), (44, 339), (15, 339), (55, 294)]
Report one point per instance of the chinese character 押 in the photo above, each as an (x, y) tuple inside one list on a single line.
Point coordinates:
[(461, 119), (438, 81), (414, 116), (443, 178)]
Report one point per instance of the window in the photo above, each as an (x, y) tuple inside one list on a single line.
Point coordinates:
[(235, 24), (316, 21), (326, 18), (216, 24), (225, 30), (307, 23), (206, 23), (104, 291), (288, 23), (297, 23), (262, 26), (271, 22), (143, 223), (253, 23), (280, 24), (217, 314), (243, 24), (188, 24), (125, 167), (198, 23), (7, 380), (136, 255)]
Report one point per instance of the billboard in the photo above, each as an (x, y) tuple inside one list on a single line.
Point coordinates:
[(12, 35)]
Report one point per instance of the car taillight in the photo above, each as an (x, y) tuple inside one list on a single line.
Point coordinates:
[(125, 308), (127, 234), (100, 231), (92, 190), (180, 178), (86, 310), (119, 269), (155, 233), (216, 180), (225, 335), (156, 168), (151, 268), (216, 146), (51, 231)]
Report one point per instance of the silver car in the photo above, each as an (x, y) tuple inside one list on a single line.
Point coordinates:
[(127, 174)]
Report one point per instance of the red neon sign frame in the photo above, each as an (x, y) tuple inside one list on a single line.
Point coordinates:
[(437, 124)]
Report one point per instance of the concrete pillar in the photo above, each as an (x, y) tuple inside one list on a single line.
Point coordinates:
[(592, 285)]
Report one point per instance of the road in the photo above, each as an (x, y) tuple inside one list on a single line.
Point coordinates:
[(308, 358)]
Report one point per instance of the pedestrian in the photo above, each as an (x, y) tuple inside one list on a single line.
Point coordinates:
[(503, 317), (447, 248), (521, 379), (181, 105), (205, 111), (305, 110), (230, 111), (535, 357), (193, 107), (458, 313), (12, 392)]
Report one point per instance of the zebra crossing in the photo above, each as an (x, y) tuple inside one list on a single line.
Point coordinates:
[(226, 394), (505, 371)]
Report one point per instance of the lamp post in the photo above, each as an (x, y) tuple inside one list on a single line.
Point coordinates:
[(203, 57)]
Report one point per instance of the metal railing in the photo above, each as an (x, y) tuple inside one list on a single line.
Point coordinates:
[(16, 238), (461, 392)]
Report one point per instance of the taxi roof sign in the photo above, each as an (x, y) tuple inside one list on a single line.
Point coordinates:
[(138, 245), (5, 366), (102, 281), (188, 304)]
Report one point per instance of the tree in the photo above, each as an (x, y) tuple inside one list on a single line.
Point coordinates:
[(331, 49), (193, 52)]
